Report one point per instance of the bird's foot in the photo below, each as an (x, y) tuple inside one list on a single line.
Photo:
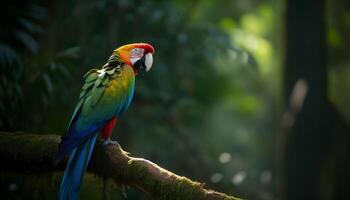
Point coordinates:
[(108, 141)]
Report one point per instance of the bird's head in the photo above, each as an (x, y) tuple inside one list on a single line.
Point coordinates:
[(138, 55)]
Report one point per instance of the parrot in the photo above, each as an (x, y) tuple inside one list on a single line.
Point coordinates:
[(106, 95)]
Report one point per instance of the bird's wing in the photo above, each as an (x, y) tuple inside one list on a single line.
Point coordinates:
[(89, 81), (105, 94), (110, 95)]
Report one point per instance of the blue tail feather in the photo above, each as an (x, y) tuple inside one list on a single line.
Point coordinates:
[(76, 166), (74, 138)]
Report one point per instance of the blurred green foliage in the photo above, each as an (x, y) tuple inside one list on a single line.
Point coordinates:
[(204, 111), (28, 73), (208, 109), (338, 22)]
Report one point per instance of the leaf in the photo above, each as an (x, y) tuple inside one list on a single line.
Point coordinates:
[(72, 52), (53, 66), (19, 91), (30, 26), (63, 69), (27, 40), (36, 12), (8, 55), (48, 83)]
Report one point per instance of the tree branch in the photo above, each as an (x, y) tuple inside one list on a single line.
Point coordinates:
[(19, 151)]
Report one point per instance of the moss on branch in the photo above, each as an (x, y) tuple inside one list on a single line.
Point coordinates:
[(36, 152)]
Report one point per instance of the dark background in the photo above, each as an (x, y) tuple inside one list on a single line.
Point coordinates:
[(250, 97)]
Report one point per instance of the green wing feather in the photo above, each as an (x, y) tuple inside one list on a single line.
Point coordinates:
[(95, 104), (89, 80)]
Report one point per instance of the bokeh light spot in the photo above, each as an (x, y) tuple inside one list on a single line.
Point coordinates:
[(238, 178), (216, 177), (225, 157)]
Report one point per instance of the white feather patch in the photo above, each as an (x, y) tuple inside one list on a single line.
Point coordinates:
[(101, 72), (136, 55)]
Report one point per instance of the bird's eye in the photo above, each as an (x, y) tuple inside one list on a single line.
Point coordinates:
[(137, 51)]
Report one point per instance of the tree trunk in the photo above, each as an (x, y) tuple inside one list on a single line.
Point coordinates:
[(307, 120)]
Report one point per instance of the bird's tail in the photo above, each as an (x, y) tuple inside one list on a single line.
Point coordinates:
[(76, 166)]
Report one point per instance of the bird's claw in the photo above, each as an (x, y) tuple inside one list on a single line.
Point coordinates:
[(110, 142)]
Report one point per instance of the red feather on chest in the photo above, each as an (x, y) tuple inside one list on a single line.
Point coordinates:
[(106, 131)]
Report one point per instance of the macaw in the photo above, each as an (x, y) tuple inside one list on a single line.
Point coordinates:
[(105, 96)]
